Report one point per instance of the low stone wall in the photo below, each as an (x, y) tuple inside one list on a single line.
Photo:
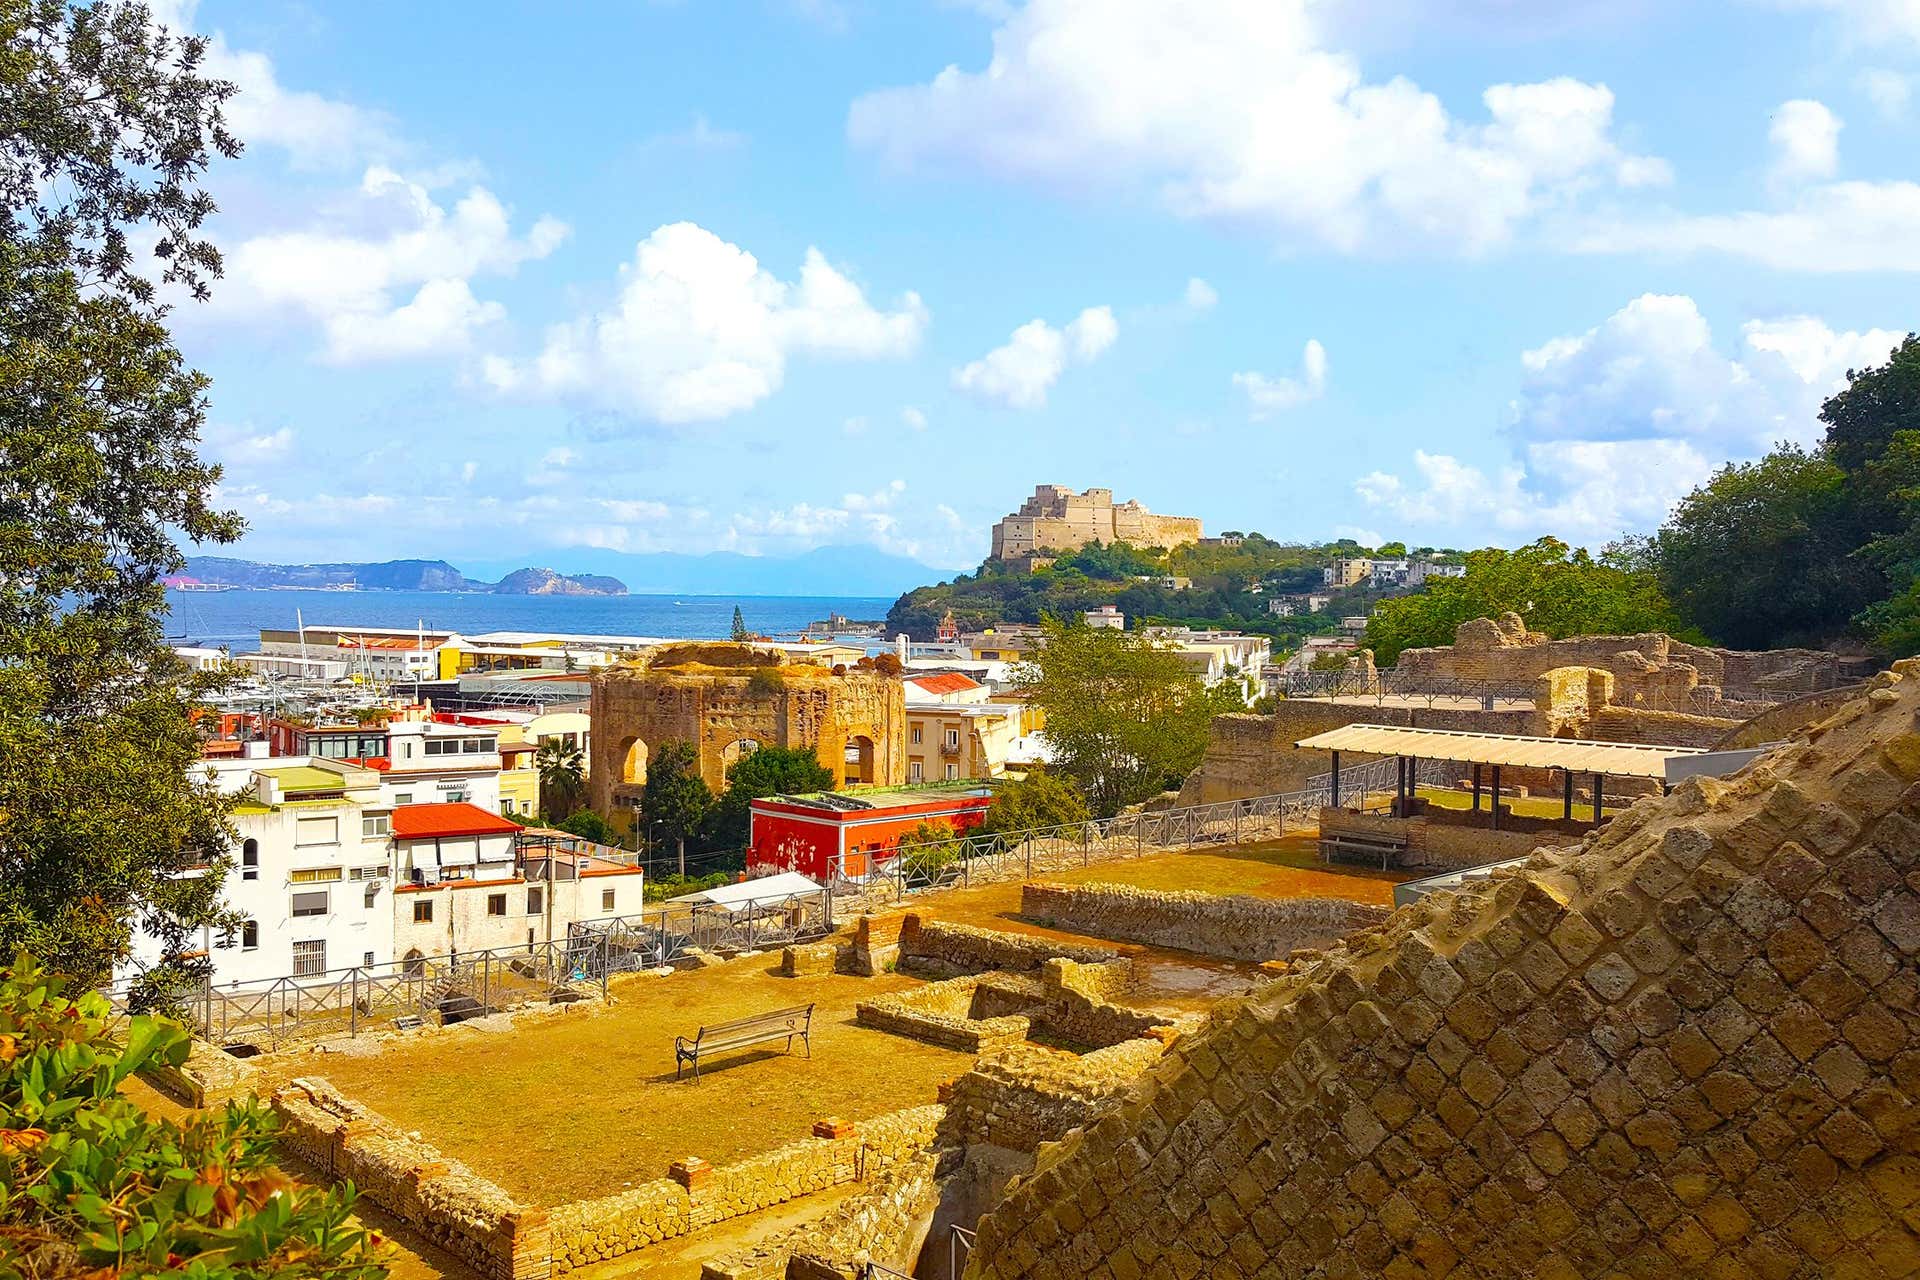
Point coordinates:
[(942, 948), (884, 1223), (1027, 1095), (589, 1231), (943, 1013), (209, 1077), (1236, 927), (1448, 846), (876, 943), (1076, 1006), (809, 960), (444, 1200)]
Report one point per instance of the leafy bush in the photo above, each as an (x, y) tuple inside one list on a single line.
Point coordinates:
[(1039, 800), (660, 888), (90, 1185), (588, 825)]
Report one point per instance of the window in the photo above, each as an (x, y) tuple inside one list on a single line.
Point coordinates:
[(309, 958), (606, 899), (314, 875), (475, 746), (914, 772), (496, 904), (250, 860), (953, 771), (506, 807), (366, 959), (313, 903), (250, 936), (312, 831), (367, 873), (373, 826), (536, 901), (916, 735), (403, 797), (953, 739), (372, 896), (423, 912)]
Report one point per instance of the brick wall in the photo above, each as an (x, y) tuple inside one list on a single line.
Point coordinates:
[(1236, 928), (933, 946)]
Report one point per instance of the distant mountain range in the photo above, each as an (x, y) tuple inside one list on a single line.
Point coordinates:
[(824, 571), (396, 575)]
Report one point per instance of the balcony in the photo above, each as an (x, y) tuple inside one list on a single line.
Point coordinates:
[(950, 750)]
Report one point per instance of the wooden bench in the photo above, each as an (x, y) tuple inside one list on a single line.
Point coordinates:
[(761, 1028), (1332, 848)]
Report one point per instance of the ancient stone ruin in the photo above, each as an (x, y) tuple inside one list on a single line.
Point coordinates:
[(729, 700), (1689, 1046)]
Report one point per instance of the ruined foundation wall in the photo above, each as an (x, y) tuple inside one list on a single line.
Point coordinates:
[(1689, 1046), (1027, 1095), (936, 947), (1235, 928)]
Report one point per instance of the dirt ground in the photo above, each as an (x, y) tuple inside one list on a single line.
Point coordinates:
[(565, 1108)]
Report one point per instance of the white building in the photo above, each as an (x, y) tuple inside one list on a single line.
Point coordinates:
[(1107, 615), (199, 658)]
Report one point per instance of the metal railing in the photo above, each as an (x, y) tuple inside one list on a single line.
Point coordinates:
[(472, 984), (1002, 855), (1391, 682)]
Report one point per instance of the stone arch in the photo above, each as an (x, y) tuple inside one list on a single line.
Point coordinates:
[(413, 964), (633, 760), (737, 750), (861, 758)]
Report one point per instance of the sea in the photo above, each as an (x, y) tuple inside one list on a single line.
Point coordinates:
[(233, 618)]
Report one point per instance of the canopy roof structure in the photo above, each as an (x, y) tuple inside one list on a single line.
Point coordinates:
[(766, 891), (1612, 759)]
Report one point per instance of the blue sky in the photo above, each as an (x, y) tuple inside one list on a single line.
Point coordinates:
[(505, 280)]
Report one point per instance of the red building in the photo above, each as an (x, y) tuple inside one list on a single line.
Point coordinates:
[(844, 833)]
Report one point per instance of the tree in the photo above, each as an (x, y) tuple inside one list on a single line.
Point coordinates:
[(1762, 554), (677, 797), (1555, 588), (1127, 716), (740, 633), (91, 1185), (588, 825), (770, 771), (563, 772), (110, 125), (1037, 801)]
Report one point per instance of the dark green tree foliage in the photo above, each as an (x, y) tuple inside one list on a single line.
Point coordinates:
[(1126, 715), (1762, 554), (110, 125), (588, 825), (740, 632), (1039, 800), (91, 1186), (562, 767), (1557, 589), (770, 771), (676, 796)]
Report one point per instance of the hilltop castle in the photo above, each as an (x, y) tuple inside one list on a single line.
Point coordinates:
[(1056, 518)]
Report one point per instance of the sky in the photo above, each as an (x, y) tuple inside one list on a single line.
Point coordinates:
[(767, 275)]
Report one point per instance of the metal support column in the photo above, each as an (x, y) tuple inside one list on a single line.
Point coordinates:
[(1336, 780), (1476, 788), (1567, 807), (1496, 797), (1599, 788)]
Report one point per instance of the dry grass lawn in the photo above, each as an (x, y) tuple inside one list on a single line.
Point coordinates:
[(582, 1105)]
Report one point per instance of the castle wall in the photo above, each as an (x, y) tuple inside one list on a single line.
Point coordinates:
[(1058, 519)]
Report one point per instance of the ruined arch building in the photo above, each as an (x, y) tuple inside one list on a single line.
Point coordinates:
[(729, 699), (1689, 1046), (1056, 518)]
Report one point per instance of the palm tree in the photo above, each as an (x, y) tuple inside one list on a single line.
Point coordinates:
[(563, 771)]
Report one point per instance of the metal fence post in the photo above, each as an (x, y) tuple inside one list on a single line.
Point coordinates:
[(486, 982), (353, 1002)]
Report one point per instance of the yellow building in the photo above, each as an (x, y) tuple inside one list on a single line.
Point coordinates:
[(521, 734), (1012, 643), (954, 731)]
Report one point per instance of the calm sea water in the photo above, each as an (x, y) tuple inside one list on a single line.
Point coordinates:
[(234, 618)]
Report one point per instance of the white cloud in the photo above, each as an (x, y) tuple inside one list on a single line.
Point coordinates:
[(913, 419), (239, 446), (1613, 425), (699, 330), (468, 470), (1868, 22), (558, 456), (1200, 295), (1267, 395), (1890, 92), (344, 271), (1019, 374), (701, 135), (1235, 111), (1832, 227), (1806, 141), (882, 518)]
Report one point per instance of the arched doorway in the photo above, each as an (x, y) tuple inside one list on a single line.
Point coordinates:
[(737, 750), (860, 759), (633, 761), (413, 964)]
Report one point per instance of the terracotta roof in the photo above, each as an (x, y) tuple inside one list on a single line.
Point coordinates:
[(424, 821), (945, 682)]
